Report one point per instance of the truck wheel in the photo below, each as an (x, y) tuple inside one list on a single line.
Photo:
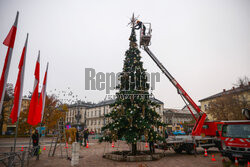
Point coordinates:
[(178, 150), (190, 151), (218, 145), (189, 148), (231, 158)]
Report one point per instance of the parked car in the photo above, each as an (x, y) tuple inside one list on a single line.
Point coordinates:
[(10, 133), (178, 132)]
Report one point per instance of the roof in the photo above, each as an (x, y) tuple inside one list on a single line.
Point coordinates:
[(156, 100), (103, 103), (26, 98), (81, 104), (189, 105), (184, 110), (177, 111), (227, 92), (192, 108)]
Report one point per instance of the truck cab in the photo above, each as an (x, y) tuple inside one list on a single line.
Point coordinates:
[(235, 139), (210, 128)]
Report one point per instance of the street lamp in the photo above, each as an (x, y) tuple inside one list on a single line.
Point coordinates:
[(85, 122), (78, 116)]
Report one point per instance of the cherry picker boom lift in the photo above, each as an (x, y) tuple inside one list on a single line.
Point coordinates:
[(145, 42), (185, 142)]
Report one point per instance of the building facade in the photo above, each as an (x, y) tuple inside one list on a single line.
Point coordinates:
[(174, 118), (242, 93), (8, 127), (92, 115)]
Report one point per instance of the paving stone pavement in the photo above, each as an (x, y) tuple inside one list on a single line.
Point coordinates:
[(92, 157)]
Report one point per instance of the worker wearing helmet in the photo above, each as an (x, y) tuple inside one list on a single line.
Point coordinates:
[(139, 26)]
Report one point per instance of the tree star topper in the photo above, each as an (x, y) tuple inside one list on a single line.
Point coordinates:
[(133, 20)]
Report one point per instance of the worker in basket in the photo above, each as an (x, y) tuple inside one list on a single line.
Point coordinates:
[(140, 25)]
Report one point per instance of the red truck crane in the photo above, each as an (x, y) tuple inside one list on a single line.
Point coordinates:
[(144, 43), (187, 143)]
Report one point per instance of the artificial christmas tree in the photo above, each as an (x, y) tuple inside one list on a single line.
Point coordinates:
[(133, 114)]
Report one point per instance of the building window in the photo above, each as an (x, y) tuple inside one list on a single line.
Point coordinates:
[(205, 106)]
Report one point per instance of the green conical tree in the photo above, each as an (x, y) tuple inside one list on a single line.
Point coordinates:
[(133, 113)]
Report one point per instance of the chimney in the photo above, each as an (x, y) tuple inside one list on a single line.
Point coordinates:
[(224, 90)]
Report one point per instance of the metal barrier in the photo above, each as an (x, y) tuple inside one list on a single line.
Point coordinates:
[(18, 158), (10, 159)]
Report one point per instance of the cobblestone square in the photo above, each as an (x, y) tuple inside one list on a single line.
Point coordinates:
[(92, 156)]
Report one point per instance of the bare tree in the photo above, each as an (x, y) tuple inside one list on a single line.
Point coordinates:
[(242, 81), (53, 111), (229, 106)]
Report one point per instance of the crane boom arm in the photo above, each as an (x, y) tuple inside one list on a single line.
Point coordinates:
[(202, 116)]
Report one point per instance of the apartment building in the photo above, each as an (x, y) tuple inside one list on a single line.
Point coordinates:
[(92, 115)]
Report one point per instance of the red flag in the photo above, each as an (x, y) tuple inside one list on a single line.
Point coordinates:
[(40, 108), (33, 116), (42, 97), (18, 93), (9, 41)]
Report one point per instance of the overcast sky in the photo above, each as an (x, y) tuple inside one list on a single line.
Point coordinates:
[(204, 44)]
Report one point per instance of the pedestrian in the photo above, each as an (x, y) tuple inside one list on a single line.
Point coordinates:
[(86, 136), (81, 137), (77, 136), (140, 25), (35, 139), (166, 134), (151, 146)]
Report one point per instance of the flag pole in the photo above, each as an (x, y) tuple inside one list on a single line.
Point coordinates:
[(16, 135), (19, 84), (44, 94), (9, 41), (31, 110), (29, 145)]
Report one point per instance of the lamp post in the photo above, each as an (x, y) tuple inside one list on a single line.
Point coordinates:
[(78, 116), (85, 120)]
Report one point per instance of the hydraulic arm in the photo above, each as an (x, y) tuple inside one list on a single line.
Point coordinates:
[(202, 116)]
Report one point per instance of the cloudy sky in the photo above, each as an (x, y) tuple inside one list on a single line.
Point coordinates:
[(204, 44)]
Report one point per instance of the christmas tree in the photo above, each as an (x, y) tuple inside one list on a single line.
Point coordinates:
[(133, 114)]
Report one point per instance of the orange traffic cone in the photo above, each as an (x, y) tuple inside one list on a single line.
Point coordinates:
[(146, 145), (66, 146), (213, 159), (205, 154), (236, 162), (113, 144), (44, 148), (87, 145), (248, 164), (22, 148)]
